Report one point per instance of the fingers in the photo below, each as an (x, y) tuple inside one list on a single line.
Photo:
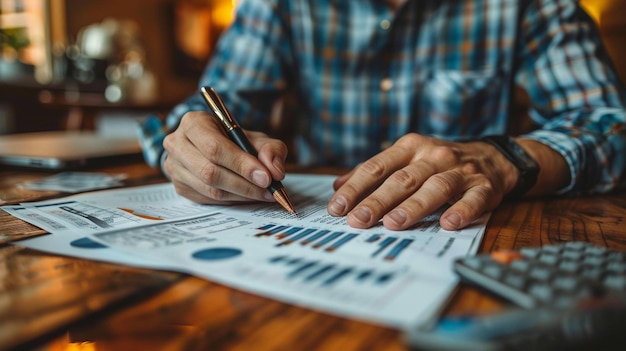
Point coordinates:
[(415, 178), (193, 189), (210, 183), (363, 181), (434, 192), (469, 198), (341, 180), (472, 204), (272, 153), (473, 198), (207, 167)]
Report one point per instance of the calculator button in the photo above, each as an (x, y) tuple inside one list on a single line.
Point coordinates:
[(540, 273), (567, 283), (579, 245), (549, 259), (617, 267), (563, 301), (517, 281), (554, 275), (552, 248), (493, 271), (572, 255), (530, 252), (616, 257), (520, 265), (595, 250), (569, 266), (617, 282), (593, 273), (593, 261), (474, 262), (541, 291)]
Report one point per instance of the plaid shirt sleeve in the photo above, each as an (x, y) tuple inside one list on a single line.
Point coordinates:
[(575, 94), (248, 59)]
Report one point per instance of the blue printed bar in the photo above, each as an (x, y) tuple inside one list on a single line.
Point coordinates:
[(383, 245), (338, 276), (327, 239), (373, 238), (320, 272), (272, 231), (312, 238), (340, 242), (397, 250), (301, 269), (289, 232), (364, 274), (384, 278), (296, 237)]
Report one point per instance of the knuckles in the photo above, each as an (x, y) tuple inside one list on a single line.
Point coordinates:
[(406, 179), (447, 154), (208, 173), (215, 193), (446, 183), (374, 167)]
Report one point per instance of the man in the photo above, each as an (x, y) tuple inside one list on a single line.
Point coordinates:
[(404, 91)]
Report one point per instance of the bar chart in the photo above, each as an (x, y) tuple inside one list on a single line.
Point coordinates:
[(327, 273), (375, 246)]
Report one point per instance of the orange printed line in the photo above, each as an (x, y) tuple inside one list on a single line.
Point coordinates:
[(140, 215)]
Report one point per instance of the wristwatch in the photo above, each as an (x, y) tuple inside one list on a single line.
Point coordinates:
[(527, 166)]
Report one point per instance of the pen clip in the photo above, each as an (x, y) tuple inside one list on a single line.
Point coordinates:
[(218, 108)]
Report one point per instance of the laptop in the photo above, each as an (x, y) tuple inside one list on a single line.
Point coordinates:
[(60, 150)]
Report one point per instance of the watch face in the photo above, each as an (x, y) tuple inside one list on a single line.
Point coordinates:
[(524, 159)]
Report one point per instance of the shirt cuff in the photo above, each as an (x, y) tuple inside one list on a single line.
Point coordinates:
[(151, 134)]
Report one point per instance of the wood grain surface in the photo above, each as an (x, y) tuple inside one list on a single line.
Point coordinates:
[(50, 302)]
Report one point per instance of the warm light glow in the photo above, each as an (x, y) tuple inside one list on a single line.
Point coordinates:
[(65, 343), (605, 12), (595, 8), (223, 13)]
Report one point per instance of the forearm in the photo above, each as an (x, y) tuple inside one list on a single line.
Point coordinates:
[(554, 172)]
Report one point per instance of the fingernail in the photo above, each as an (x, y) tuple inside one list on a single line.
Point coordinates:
[(362, 215), (398, 217), (454, 220), (337, 207), (260, 178)]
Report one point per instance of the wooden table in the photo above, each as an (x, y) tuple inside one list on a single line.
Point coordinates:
[(61, 303)]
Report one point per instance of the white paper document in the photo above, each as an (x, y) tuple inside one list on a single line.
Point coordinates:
[(394, 278)]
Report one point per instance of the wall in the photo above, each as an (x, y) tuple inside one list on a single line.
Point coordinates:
[(155, 21)]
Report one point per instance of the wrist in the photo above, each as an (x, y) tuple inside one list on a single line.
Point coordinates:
[(527, 167), (555, 172)]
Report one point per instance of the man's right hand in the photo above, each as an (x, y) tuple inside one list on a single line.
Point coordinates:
[(206, 167)]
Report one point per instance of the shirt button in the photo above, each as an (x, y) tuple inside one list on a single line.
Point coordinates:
[(386, 144), (385, 24), (386, 84)]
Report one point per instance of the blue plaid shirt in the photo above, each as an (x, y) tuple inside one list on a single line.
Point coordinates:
[(365, 75)]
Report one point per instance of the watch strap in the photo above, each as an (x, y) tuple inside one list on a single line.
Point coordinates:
[(527, 166)]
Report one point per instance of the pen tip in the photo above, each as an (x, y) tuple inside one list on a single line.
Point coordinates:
[(281, 197)]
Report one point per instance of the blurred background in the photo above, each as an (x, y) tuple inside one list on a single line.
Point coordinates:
[(98, 64), (102, 64)]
